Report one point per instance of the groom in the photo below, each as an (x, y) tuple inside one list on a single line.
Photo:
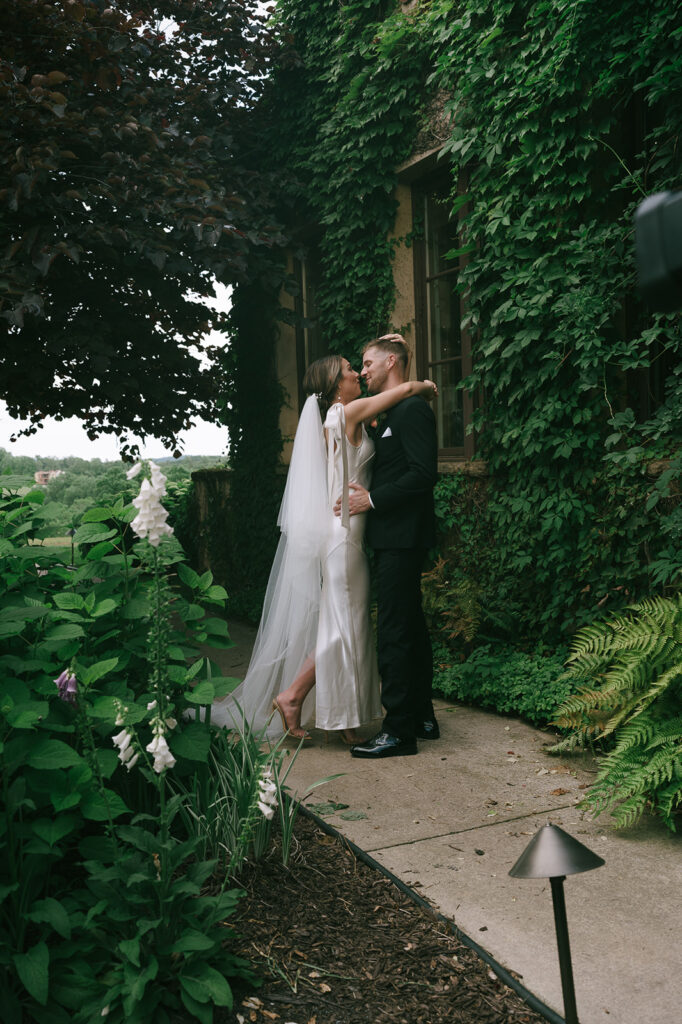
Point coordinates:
[(400, 528)]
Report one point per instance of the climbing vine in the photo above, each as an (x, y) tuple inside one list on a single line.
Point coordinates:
[(563, 116), (558, 115), (348, 92)]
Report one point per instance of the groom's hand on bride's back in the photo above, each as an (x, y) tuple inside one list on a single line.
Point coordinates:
[(358, 501)]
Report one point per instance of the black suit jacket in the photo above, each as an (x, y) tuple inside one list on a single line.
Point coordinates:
[(404, 473)]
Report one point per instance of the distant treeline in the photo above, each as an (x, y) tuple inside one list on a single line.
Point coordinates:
[(96, 467), (83, 483)]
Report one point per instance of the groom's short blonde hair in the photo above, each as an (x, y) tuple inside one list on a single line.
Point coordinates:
[(394, 343)]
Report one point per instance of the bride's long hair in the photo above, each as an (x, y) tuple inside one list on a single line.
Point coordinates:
[(322, 379)]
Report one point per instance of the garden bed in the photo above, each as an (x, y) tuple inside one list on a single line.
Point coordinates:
[(335, 942)]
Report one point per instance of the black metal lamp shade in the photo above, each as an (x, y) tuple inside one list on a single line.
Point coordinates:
[(552, 853)]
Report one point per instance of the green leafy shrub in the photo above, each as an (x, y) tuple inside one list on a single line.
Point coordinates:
[(102, 890), (182, 515), (530, 684), (628, 673)]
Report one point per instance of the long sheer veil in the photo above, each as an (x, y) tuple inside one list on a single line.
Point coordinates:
[(288, 627)]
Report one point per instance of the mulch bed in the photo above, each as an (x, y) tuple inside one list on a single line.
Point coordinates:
[(335, 942)]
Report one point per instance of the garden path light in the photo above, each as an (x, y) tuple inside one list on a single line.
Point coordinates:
[(553, 853)]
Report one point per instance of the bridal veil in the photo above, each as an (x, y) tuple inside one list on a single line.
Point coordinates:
[(288, 628)]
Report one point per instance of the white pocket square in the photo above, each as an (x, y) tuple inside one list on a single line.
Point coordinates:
[(387, 432)]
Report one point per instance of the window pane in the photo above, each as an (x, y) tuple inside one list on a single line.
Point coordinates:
[(444, 338), (441, 234), (448, 408)]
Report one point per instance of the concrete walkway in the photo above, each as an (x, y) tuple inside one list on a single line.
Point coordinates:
[(453, 820)]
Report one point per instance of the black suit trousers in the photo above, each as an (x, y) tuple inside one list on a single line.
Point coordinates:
[(403, 643)]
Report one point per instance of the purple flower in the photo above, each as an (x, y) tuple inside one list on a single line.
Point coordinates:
[(66, 684)]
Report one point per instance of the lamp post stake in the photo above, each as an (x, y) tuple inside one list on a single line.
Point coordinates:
[(553, 854), (565, 967)]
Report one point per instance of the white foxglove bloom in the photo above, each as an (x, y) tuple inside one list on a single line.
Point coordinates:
[(150, 522), (158, 480), (162, 756), (268, 795), (122, 740), (126, 751), (130, 759), (134, 471), (266, 809), (121, 712)]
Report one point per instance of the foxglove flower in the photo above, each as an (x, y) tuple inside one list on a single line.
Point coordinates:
[(268, 795), (150, 521), (66, 684), (126, 751), (162, 756)]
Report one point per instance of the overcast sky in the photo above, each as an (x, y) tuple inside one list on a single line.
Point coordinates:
[(61, 439)]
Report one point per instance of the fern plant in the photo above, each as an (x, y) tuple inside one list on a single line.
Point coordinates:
[(628, 673)]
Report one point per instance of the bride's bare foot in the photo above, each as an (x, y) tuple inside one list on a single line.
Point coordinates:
[(295, 731), (350, 736)]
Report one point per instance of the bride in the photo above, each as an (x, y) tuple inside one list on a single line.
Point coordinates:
[(315, 627)]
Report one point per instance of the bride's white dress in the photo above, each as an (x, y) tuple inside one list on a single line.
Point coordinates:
[(347, 678), (317, 600)]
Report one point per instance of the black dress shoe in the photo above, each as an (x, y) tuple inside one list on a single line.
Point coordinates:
[(384, 745), (427, 730)]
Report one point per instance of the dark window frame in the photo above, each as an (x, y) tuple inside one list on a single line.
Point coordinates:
[(422, 186), (310, 344)]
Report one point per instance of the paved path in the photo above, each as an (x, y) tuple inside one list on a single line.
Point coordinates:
[(453, 820)]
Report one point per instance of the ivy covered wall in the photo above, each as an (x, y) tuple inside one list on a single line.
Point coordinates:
[(563, 117)]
